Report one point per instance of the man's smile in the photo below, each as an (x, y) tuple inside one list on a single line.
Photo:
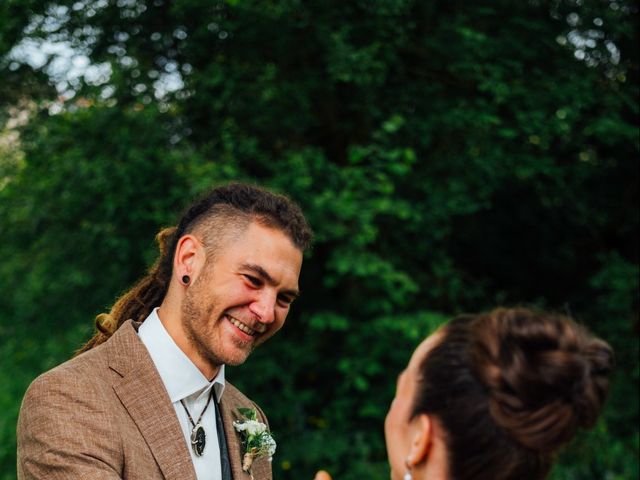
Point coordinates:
[(245, 328)]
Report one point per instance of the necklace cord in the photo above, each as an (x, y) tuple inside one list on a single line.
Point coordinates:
[(205, 409)]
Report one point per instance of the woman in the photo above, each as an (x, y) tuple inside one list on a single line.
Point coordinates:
[(494, 396)]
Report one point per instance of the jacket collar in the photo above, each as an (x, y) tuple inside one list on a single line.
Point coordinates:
[(143, 395)]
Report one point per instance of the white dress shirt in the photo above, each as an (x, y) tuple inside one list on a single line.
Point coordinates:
[(185, 382)]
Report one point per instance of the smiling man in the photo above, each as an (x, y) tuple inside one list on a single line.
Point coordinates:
[(147, 397)]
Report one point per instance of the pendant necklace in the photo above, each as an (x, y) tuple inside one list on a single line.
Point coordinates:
[(198, 437)]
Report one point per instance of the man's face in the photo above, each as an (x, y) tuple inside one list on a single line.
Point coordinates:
[(242, 297)]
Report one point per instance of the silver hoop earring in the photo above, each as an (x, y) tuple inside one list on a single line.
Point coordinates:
[(407, 475)]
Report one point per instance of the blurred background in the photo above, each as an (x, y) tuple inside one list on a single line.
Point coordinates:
[(451, 156)]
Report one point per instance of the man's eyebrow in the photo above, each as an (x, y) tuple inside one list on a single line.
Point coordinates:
[(262, 273)]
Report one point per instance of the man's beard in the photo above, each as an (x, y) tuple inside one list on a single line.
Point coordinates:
[(202, 325), (192, 314)]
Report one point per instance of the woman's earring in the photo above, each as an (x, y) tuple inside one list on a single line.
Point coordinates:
[(407, 476), (185, 279)]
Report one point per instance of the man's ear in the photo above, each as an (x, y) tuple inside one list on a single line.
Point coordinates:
[(421, 439), (185, 260)]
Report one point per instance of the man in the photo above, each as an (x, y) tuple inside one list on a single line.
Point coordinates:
[(147, 397)]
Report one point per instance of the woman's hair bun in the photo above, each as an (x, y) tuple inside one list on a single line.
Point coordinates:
[(546, 376)]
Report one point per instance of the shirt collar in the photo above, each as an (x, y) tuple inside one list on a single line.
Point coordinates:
[(180, 376)]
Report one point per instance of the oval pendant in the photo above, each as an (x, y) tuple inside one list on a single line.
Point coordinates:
[(198, 439)]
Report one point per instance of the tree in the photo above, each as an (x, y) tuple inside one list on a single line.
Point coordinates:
[(449, 156)]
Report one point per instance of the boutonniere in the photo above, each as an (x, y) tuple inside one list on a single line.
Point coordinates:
[(256, 438)]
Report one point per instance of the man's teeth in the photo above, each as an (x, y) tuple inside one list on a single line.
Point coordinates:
[(241, 326)]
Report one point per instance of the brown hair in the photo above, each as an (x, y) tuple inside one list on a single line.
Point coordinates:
[(221, 214), (510, 387)]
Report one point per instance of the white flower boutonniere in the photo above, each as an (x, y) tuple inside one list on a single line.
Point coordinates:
[(256, 438)]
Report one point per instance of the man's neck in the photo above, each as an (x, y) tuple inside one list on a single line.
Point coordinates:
[(171, 319)]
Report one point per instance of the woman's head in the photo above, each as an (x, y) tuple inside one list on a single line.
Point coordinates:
[(499, 393)]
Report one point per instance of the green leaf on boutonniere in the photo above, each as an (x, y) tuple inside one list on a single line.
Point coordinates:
[(248, 413), (257, 441)]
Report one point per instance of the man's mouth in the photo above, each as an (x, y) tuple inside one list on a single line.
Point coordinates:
[(243, 327)]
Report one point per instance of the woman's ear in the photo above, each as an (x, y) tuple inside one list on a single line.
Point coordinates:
[(421, 432)]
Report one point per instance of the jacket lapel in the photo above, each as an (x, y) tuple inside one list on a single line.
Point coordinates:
[(234, 446), (142, 393), (229, 403)]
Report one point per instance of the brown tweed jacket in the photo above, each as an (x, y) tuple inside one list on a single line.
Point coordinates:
[(106, 415)]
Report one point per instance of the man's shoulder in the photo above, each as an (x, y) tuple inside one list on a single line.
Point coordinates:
[(89, 369), (68, 423), (78, 372)]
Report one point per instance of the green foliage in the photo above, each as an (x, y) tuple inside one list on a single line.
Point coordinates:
[(449, 156)]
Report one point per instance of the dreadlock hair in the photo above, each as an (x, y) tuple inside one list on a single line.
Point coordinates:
[(221, 215)]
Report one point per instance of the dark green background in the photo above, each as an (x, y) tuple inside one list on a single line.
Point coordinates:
[(451, 156)]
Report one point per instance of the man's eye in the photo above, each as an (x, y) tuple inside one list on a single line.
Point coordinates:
[(285, 301), (253, 280)]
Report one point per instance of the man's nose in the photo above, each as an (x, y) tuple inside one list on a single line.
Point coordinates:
[(264, 307)]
